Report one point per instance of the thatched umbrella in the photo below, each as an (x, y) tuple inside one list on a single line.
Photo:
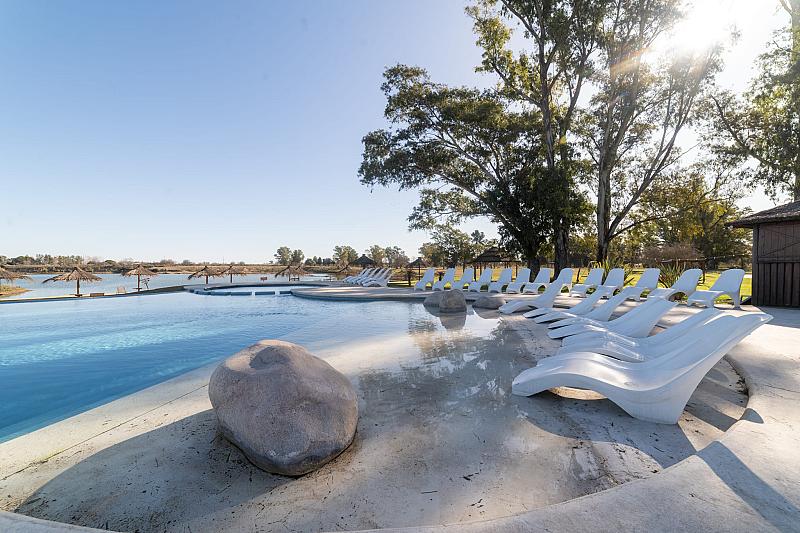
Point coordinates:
[(363, 262), (140, 271), (417, 263), (77, 275), (292, 271), (10, 275), (234, 270), (206, 272)]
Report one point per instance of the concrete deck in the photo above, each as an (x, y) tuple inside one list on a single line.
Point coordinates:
[(747, 479)]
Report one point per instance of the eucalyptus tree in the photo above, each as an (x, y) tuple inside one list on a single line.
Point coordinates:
[(283, 256), (561, 39), (642, 104), (344, 254), (468, 154), (763, 125)]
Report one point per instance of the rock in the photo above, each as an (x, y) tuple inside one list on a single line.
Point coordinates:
[(489, 301), (453, 301), (287, 410), (434, 299)]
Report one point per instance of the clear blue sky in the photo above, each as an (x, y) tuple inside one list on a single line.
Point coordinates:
[(210, 130)]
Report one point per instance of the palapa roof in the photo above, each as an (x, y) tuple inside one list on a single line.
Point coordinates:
[(290, 270), (140, 271), (10, 275), (363, 261), (236, 270), (782, 213), (418, 262), (77, 274), (206, 271)]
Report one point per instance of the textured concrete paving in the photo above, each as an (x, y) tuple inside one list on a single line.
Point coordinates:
[(440, 441)]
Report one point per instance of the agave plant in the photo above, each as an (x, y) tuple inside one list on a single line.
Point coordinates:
[(670, 272), (615, 262)]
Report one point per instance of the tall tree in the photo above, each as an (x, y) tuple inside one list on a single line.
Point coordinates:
[(563, 36), (468, 154), (296, 257), (763, 126), (344, 255), (376, 253), (395, 256), (639, 110), (283, 256)]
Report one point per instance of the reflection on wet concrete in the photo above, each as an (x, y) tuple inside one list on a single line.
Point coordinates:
[(440, 439)]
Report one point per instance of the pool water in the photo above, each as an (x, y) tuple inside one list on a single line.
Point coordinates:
[(61, 358)]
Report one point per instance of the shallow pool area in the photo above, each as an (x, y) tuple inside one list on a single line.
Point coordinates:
[(61, 358)]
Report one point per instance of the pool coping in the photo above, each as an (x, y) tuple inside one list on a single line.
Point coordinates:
[(745, 480)]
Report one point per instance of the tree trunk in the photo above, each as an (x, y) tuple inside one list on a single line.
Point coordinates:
[(603, 213), (561, 244)]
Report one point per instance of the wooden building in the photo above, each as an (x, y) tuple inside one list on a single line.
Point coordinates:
[(776, 255)]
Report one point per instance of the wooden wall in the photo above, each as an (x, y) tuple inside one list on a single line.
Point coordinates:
[(776, 264)]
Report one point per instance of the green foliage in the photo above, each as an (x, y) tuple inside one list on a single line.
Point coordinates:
[(450, 247), (395, 256), (344, 255), (763, 126), (612, 262), (283, 256), (296, 257), (670, 272), (376, 253), (467, 153)]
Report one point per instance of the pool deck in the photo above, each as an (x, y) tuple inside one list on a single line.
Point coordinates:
[(747, 480)]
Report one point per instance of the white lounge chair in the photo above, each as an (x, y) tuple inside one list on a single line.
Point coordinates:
[(594, 279), (483, 281), (425, 280), (549, 314), (546, 299), (523, 277), (686, 284), (379, 281), (363, 273), (646, 282), (377, 275), (466, 278), (601, 313), (638, 322), (448, 278), (640, 349), (373, 273), (504, 279), (729, 283), (615, 280), (598, 338), (542, 279), (655, 390)]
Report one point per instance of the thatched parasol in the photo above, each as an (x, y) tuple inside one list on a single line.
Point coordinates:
[(418, 263), (292, 271), (10, 275), (206, 272), (363, 262), (77, 275), (234, 270), (140, 271)]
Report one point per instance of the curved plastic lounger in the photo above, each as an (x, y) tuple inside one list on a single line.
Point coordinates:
[(542, 279), (483, 281), (601, 313), (546, 299), (523, 277), (381, 281), (593, 279), (729, 283), (448, 278), (466, 279), (686, 284), (425, 280), (666, 335), (655, 390), (642, 352), (646, 282), (638, 322), (504, 279), (615, 280), (583, 307)]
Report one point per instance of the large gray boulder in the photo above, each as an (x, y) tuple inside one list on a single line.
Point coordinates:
[(489, 301), (453, 301), (433, 299), (287, 410)]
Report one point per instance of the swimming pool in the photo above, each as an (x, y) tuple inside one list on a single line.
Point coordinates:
[(61, 358)]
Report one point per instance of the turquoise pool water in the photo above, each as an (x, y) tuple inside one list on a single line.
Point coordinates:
[(60, 358)]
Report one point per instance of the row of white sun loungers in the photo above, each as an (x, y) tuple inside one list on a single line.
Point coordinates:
[(371, 277), (650, 377)]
